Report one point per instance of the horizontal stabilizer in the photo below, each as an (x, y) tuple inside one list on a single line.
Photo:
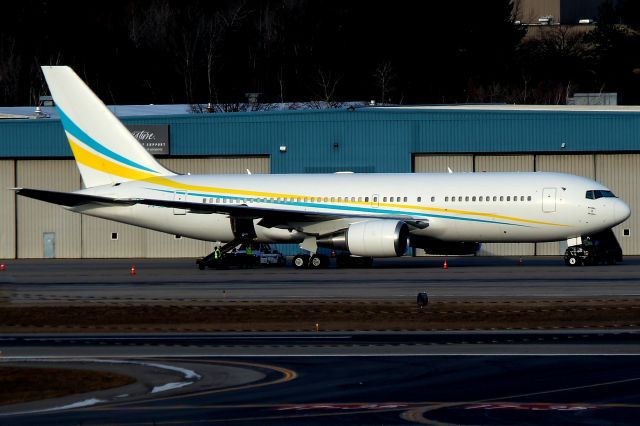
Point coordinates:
[(71, 199)]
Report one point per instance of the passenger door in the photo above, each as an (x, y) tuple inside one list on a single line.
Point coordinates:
[(549, 200)]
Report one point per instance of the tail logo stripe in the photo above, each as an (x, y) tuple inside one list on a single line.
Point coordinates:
[(81, 136), (93, 161)]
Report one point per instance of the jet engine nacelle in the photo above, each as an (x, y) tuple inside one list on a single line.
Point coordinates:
[(374, 238)]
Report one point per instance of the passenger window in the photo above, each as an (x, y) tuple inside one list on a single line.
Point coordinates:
[(508, 198), (446, 199), (433, 199), (384, 199), (391, 199), (529, 198), (473, 198), (495, 198), (353, 199), (419, 199), (502, 198), (522, 198), (480, 198), (359, 199), (366, 199), (466, 198), (404, 199), (460, 198)]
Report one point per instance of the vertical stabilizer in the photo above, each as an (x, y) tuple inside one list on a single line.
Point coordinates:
[(105, 151)]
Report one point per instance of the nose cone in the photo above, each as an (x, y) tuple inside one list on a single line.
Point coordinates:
[(621, 212)]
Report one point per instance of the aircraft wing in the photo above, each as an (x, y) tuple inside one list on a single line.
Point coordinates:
[(269, 217)]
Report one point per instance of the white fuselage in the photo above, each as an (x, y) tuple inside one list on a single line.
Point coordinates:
[(482, 207)]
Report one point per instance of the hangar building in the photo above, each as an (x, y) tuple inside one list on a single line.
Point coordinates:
[(599, 143)]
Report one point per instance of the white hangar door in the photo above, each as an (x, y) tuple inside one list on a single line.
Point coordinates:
[(7, 210), (427, 163), (620, 173), (37, 220)]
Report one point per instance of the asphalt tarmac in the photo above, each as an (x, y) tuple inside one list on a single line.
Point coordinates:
[(490, 377), (369, 378), (179, 281)]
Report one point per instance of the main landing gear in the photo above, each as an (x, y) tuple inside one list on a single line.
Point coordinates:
[(321, 261), (315, 261)]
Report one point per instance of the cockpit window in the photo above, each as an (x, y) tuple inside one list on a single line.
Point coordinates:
[(594, 194)]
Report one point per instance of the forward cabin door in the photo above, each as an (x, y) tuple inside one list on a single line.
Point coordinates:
[(549, 200)]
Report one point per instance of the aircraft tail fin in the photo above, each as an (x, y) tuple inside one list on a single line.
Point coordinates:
[(104, 150)]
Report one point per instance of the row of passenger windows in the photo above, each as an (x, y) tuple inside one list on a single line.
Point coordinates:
[(488, 198), (458, 198)]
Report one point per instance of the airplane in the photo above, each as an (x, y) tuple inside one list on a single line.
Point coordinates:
[(367, 215)]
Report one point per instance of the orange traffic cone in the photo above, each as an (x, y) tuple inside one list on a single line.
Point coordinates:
[(2, 267), (133, 270), (445, 265)]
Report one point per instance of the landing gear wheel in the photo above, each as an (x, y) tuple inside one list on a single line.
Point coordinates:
[(573, 261), (318, 261), (301, 261)]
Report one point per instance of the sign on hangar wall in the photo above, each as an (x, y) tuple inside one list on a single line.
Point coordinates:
[(153, 137)]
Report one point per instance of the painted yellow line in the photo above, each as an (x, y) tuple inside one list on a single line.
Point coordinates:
[(287, 376)]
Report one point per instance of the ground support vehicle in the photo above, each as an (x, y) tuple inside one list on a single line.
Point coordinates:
[(240, 255), (602, 247)]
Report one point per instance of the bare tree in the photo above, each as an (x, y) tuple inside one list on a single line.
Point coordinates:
[(10, 69), (384, 75), (326, 83), (214, 30)]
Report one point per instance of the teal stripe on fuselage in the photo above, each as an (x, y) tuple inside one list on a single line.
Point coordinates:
[(379, 210), (80, 135)]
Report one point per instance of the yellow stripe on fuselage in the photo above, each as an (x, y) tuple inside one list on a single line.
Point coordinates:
[(104, 165), (166, 182)]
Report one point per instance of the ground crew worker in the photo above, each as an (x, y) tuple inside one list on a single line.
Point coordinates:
[(249, 251), (217, 254)]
